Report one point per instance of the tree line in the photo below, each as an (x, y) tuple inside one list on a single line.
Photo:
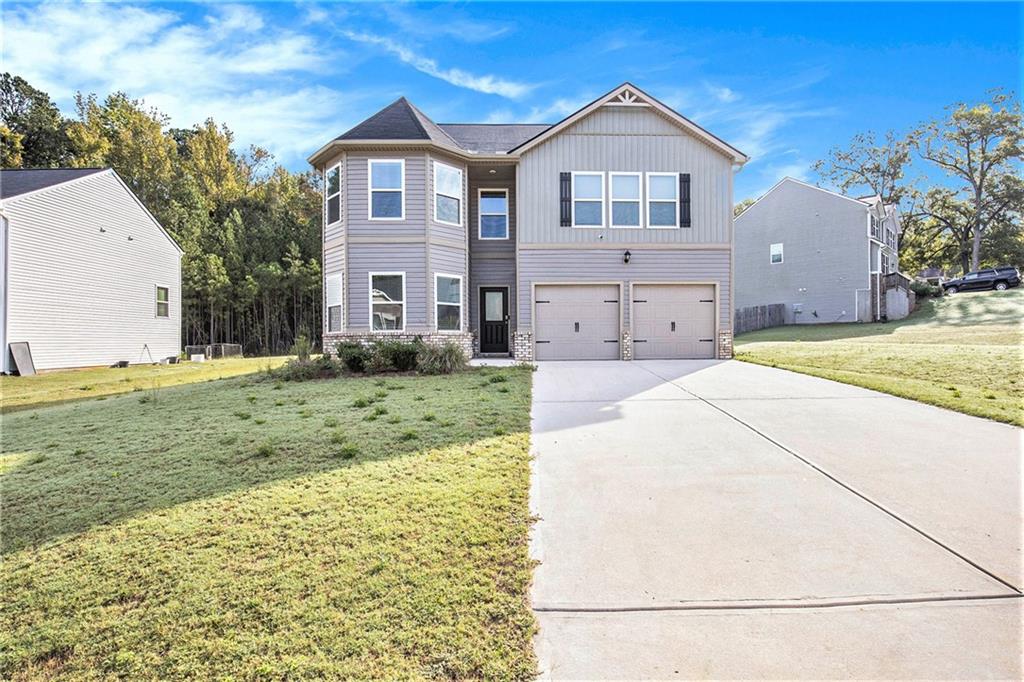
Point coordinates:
[(250, 229), (972, 219)]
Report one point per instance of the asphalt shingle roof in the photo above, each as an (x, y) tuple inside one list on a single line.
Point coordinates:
[(23, 180), (492, 138)]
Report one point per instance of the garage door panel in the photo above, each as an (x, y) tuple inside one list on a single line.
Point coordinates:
[(577, 322), (674, 321)]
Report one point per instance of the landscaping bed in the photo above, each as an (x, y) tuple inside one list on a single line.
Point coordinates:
[(249, 528)]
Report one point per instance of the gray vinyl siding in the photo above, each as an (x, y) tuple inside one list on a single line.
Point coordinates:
[(442, 229), (825, 249), (366, 258), (492, 262), (357, 189), (83, 297), (605, 265), (624, 139)]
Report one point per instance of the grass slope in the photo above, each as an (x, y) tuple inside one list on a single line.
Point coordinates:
[(100, 382), (961, 352), (351, 528)]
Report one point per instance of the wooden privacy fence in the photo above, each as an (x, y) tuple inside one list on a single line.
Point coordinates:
[(759, 317)]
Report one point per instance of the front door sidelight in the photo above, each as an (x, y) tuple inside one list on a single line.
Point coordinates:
[(494, 319)]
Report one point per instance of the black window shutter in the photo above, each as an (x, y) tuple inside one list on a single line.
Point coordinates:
[(565, 195), (684, 200)]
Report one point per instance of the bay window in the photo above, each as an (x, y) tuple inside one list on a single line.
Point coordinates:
[(387, 301), (447, 194), (332, 194), (333, 290), (448, 302), (387, 189)]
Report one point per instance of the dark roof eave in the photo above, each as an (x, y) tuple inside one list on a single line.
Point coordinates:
[(318, 156)]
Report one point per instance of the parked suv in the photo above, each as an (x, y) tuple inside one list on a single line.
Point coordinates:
[(1000, 279)]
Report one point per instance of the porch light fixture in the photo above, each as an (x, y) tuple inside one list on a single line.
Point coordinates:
[(492, 171), (626, 256)]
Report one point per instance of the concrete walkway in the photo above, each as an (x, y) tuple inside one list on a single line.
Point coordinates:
[(719, 519)]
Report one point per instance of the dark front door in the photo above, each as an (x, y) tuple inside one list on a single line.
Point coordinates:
[(494, 319)]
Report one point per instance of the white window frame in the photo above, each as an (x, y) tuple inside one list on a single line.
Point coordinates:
[(340, 278), (604, 199), (639, 200), (157, 302), (405, 308), (782, 253), (328, 197), (481, 214), (462, 298), (647, 204), (460, 198), (370, 189)]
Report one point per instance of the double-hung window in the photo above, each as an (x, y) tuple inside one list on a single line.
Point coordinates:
[(163, 302), (775, 254), (588, 199), (387, 301), (625, 198), (387, 189), (332, 194), (333, 287), (493, 214), (448, 302), (447, 194), (662, 200)]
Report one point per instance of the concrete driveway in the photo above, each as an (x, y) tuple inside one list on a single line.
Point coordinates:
[(706, 519)]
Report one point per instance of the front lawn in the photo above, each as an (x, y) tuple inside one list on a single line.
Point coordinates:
[(245, 529), (98, 383), (961, 352)]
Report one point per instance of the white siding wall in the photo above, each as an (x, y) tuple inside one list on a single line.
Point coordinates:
[(83, 297)]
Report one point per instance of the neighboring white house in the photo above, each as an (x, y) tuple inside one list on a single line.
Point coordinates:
[(87, 275), (826, 256)]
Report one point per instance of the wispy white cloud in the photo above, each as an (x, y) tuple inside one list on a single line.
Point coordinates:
[(488, 84), (444, 20), (229, 64)]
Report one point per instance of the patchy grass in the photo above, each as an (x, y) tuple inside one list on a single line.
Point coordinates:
[(96, 383), (961, 352), (171, 539)]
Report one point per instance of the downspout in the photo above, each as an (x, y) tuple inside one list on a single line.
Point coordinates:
[(4, 354)]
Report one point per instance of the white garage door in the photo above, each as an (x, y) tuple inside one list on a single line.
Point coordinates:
[(674, 321), (576, 322)]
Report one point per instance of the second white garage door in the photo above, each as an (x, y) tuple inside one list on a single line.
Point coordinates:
[(674, 321), (576, 322)]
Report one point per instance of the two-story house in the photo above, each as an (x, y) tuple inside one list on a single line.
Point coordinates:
[(606, 235), (826, 256)]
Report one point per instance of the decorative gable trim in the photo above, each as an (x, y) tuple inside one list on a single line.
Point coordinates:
[(628, 94)]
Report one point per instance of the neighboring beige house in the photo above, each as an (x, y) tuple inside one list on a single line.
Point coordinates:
[(606, 235), (825, 256), (87, 275)]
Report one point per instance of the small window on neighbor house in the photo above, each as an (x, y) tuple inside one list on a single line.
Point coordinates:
[(334, 284), (662, 200), (448, 301), (625, 191), (447, 194), (332, 194), (588, 199), (493, 214), (163, 303), (387, 189), (387, 300), (775, 253)]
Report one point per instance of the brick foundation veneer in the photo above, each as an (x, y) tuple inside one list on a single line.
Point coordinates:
[(464, 339), (522, 346), (725, 345)]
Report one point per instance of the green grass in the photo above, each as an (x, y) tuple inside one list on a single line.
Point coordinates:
[(68, 385), (960, 352), (170, 539)]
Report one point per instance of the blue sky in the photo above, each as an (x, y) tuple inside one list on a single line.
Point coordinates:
[(783, 82)]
